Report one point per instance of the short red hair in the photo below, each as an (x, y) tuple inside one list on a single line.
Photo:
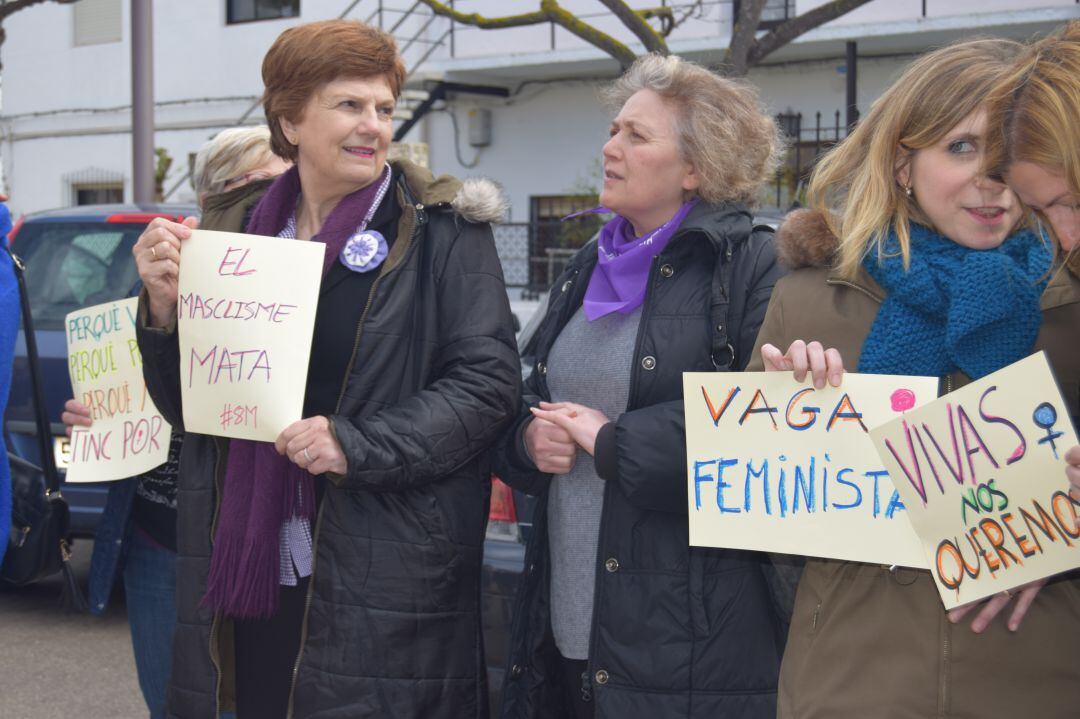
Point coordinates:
[(306, 57)]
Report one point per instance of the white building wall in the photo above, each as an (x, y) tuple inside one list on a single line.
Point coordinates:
[(65, 108), (547, 140)]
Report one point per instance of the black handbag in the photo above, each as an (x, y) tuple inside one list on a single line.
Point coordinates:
[(40, 519)]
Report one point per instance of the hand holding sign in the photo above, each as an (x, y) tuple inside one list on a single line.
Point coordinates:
[(310, 445), (157, 257), (1024, 595), (822, 364), (1072, 472)]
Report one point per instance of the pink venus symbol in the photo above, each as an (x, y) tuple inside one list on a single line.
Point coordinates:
[(902, 400)]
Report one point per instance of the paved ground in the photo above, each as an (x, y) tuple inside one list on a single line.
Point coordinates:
[(62, 666)]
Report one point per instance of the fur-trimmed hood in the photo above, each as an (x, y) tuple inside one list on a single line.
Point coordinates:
[(476, 199), (805, 240)]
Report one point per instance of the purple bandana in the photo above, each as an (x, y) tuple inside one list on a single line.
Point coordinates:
[(263, 490), (618, 282)]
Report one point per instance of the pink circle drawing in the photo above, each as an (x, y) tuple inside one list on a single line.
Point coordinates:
[(902, 400)]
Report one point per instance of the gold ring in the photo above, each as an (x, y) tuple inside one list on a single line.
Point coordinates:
[(153, 251)]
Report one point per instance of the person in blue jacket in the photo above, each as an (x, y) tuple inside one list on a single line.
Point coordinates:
[(9, 329)]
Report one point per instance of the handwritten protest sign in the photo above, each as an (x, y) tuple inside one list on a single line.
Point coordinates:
[(246, 315), (779, 466), (981, 473), (128, 436)]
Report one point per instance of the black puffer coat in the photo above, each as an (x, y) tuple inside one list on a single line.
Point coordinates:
[(392, 627), (676, 631)]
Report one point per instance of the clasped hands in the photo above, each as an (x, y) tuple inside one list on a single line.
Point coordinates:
[(557, 430)]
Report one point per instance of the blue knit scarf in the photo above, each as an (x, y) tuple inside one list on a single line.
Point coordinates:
[(955, 308)]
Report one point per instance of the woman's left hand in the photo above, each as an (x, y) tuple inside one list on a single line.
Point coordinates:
[(310, 445), (802, 358), (583, 423), (1072, 472), (1025, 595)]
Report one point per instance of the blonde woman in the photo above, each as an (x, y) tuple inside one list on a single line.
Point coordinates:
[(617, 617), (1038, 148), (913, 261), (233, 158)]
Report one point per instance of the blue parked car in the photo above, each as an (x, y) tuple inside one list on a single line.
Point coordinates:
[(75, 257)]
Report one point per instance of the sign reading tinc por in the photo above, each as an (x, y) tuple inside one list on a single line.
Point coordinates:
[(128, 435)]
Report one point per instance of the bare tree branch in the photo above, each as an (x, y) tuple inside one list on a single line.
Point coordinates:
[(9, 7), (650, 38), (696, 8), (797, 26), (736, 58), (745, 50), (550, 11)]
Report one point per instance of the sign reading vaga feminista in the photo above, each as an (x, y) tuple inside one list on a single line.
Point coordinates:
[(128, 435), (981, 473), (246, 315), (776, 465)]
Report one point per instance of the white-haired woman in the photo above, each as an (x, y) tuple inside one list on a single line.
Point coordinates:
[(233, 158), (617, 615)]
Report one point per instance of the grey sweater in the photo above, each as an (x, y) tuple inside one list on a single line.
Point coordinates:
[(589, 364)]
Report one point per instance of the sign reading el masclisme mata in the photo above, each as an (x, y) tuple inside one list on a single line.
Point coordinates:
[(246, 311)]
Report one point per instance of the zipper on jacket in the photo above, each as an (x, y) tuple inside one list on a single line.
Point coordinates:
[(946, 650), (608, 487), (586, 686), (420, 222)]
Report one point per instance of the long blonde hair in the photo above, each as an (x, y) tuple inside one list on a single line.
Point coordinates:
[(1037, 108), (854, 186)]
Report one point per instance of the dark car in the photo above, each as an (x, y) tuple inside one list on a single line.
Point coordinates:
[(75, 257)]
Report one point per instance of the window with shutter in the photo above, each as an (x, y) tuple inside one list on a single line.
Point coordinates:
[(97, 21)]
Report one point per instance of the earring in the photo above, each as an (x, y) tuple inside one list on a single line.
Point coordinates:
[(907, 191)]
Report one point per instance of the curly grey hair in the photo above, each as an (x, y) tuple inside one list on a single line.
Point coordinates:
[(723, 131), (230, 153)]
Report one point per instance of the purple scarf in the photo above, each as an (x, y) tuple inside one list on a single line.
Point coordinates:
[(618, 282), (263, 489)]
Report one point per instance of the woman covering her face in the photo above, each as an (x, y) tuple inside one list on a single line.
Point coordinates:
[(617, 617), (1038, 147), (913, 261), (336, 571)]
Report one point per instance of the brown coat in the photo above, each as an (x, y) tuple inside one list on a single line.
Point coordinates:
[(870, 643)]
